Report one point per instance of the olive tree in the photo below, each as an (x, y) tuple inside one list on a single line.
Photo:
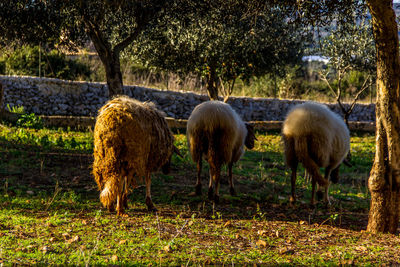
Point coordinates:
[(384, 180), (222, 41), (110, 25), (349, 47)]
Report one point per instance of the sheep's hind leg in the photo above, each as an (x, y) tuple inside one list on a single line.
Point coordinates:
[(149, 202), (313, 185), (293, 182), (198, 183), (313, 170), (231, 188), (210, 186), (216, 173), (125, 194)]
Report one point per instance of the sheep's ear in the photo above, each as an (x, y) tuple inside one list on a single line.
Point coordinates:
[(250, 130), (176, 150)]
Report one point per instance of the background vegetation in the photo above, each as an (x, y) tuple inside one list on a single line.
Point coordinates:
[(225, 47), (299, 81)]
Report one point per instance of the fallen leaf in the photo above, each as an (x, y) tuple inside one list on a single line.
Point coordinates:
[(190, 223), (114, 258), (74, 239), (45, 249), (66, 236), (52, 239), (84, 222), (277, 233), (361, 248), (261, 232), (167, 248), (227, 223), (302, 222), (261, 243), (286, 251), (348, 262), (122, 242)]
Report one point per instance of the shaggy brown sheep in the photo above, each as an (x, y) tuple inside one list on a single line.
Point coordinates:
[(131, 140)]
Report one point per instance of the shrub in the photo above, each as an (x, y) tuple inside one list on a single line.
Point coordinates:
[(30, 121)]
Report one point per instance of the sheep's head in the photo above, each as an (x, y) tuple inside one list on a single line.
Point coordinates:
[(335, 172), (166, 168), (335, 175), (250, 137)]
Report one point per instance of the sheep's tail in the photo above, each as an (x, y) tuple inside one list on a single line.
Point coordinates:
[(302, 153), (198, 144), (290, 152)]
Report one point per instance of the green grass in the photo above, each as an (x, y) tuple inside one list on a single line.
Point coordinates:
[(50, 212)]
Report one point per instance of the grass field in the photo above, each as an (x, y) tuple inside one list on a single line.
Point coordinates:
[(50, 212)]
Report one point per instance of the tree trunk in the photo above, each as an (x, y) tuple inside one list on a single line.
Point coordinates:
[(384, 180), (114, 76), (212, 85), (109, 57)]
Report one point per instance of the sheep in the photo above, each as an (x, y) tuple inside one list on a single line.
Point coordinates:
[(317, 137), (131, 140), (215, 131)]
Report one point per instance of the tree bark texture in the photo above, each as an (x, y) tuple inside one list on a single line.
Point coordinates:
[(109, 57), (114, 76), (384, 180), (212, 84)]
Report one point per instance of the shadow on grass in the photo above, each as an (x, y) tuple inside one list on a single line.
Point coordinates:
[(30, 176)]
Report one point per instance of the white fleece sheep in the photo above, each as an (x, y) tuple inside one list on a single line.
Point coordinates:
[(131, 140), (215, 131), (316, 137)]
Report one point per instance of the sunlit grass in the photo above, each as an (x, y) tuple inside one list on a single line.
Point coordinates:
[(50, 211)]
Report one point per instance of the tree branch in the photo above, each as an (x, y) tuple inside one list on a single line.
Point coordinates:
[(101, 45), (123, 44), (363, 88), (323, 78)]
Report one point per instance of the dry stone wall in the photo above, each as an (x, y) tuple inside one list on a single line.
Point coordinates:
[(46, 96)]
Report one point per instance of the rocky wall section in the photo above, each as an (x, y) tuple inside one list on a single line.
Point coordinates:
[(47, 96)]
